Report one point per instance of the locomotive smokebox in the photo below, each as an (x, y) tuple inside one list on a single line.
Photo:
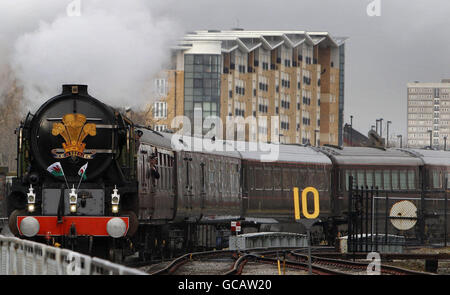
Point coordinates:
[(73, 128), (75, 89)]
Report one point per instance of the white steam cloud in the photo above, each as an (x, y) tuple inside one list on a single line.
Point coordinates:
[(116, 47)]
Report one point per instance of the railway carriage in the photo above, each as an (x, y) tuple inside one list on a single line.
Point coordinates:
[(435, 175), (157, 198), (388, 169), (268, 185), (208, 179), (395, 174)]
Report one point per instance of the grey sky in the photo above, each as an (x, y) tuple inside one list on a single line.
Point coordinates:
[(407, 42)]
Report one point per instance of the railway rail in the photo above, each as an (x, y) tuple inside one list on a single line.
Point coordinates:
[(289, 258), (354, 265)]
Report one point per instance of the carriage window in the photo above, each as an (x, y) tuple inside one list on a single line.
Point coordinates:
[(403, 179), (448, 180), (277, 178), (347, 179), (250, 178), (369, 178), (268, 178), (165, 181), (159, 165), (386, 180), (166, 171), (360, 178), (228, 177), (171, 173), (411, 179), (349, 173), (378, 182), (211, 171), (301, 177), (259, 181), (395, 180), (435, 179), (287, 179), (144, 170), (295, 178), (236, 182), (320, 180), (219, 178)]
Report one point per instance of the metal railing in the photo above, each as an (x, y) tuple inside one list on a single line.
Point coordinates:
[(23, 257), (377, 217)]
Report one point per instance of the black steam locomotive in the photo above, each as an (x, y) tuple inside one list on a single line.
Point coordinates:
[(76, 172), (85, 181)]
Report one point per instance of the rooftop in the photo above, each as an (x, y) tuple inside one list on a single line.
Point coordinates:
[(248, 41)]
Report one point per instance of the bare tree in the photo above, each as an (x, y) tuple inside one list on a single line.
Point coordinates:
[(11, 112)]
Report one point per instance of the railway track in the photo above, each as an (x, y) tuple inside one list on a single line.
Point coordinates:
[(229, 262), (173, 266), (316, 269), (351, 266)]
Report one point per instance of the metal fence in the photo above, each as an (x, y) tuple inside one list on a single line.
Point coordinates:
[(22, 257), (377, 217)]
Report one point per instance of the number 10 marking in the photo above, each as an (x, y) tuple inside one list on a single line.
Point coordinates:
[(305, 192)]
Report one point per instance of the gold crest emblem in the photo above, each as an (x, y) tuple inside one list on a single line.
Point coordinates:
[(74, 130)]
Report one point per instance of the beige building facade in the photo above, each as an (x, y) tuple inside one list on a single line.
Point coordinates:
[(428, 114), (290, 84)]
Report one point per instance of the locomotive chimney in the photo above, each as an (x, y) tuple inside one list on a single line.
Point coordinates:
[(74, 89)]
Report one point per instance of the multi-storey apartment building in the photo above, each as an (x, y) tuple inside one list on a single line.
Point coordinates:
[(428, 114), (293, 78)]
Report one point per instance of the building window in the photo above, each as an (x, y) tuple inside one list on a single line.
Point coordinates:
[(202, 84), (160, 110), (160, 128), (161, 87)]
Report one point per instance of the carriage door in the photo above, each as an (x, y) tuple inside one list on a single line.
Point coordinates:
[(202, 183), (146, 191), (188, 183), (247, 185)]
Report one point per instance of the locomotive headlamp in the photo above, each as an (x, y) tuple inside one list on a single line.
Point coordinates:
[(31, 199), (115, 199), (73, 200), (30, 208)]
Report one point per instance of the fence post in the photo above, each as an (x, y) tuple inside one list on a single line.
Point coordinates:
[(422, 212), (386, 219), (376, 219), (361, 225), (350, 214), (355, 218), (445, 212), (367, 218)]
